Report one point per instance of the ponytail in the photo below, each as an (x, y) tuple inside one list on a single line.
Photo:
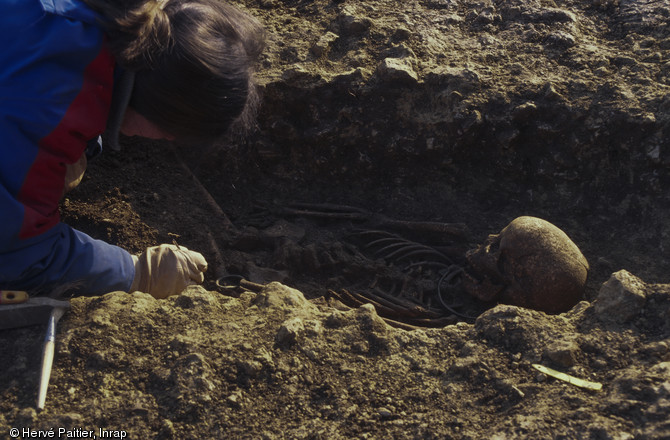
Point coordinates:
[(138, 31), (148, 30), (193, 60)]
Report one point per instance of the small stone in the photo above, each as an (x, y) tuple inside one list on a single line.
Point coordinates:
[(311, 354), (397, 69), (322, 46), (560, 40), (401, 34), (600, 363), (658, 349), (524, 112), (385, 413), (550, 92), (563, 353), (251, 368), (264, 357), (485, 17), (289, 331), (360, 347), (621, 298), (167, 430), (622, 60), (353, 23), (234, 400)]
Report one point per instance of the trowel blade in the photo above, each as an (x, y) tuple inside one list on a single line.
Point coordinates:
[(35, 311)]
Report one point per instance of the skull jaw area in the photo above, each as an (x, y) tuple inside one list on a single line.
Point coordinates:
[(551, 302)]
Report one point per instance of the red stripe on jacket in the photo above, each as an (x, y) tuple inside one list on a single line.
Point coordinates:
[(85, 118)]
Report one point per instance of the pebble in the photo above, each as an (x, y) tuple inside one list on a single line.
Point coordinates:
[(289, 331), (560, 40), (659, 348), (385, 413), (351, 23), (402, 34), (563, 353), (323, 44), (620, 298), (397, 69), (167, 430), (600, 363), (234, 400), (251, 368)]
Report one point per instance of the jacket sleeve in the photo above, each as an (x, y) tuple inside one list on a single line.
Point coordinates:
[(65, 260)]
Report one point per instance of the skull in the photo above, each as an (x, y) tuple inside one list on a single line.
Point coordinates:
[(530, 263)]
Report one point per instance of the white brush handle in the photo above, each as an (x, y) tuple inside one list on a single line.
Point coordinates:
[(47, 362), (48, 355)]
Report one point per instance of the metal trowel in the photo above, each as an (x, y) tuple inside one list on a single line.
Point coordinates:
[(27, 311)]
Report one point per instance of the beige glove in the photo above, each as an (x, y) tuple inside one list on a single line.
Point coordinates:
[(167, 269), (74, 173)]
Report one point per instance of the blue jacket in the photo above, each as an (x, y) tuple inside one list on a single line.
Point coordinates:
[(56, 81)]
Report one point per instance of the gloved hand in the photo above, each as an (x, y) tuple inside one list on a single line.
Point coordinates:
[(167, 269)]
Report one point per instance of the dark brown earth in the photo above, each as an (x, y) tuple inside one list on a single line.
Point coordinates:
[(471, 112)]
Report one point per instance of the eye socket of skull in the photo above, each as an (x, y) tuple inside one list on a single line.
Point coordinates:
[(484, 260), (483, 278), (493, 243)]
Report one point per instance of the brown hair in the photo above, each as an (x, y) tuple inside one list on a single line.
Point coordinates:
[(193, 60)]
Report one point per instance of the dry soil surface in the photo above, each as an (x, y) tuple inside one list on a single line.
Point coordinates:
[(459, 112)]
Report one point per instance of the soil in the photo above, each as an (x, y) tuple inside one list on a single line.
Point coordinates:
[(466, 113)]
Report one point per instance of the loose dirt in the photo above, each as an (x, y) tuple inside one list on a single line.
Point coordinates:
[(468, 112)]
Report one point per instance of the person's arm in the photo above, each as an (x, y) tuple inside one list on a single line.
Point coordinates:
[(67, 261)]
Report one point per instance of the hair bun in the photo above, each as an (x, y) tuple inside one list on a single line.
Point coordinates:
[(148, 32)]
